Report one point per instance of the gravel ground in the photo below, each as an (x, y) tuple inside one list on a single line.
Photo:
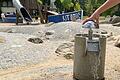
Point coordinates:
[(23, 60), (18, 51), (111, 29)]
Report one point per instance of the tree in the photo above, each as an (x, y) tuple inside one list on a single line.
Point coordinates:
[(59, 6), (44, 2), (67, 5), (90, 6), (40, 1), (77, 6)]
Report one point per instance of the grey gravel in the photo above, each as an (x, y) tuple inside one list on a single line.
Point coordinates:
[(17, 51), (23, 60)]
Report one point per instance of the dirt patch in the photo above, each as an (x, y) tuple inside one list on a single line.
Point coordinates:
[(66, 50), (69, 56), (2, 39), (35, 40)]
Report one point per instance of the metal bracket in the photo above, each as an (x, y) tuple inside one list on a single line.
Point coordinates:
[(93, 46)]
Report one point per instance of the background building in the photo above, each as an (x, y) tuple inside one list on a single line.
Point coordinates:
[(7, 6)]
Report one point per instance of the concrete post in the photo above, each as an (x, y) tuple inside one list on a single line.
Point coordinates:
[(89, 65)]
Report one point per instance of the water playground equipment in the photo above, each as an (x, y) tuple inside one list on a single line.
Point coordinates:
[(89, 56), (22, 11)]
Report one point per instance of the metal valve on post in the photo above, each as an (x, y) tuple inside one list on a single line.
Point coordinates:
[(89, 55)]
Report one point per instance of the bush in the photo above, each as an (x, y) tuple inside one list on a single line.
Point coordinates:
[(67, 5)]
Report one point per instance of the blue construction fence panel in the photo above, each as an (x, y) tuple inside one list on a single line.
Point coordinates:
[(10, 19), (66, 16)]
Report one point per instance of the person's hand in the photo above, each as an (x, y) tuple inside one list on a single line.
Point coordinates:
[(94, 17)]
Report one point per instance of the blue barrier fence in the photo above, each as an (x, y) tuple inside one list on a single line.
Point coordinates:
[(66, 17)]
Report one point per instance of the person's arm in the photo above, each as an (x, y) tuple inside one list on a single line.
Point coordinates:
[(108, 4)]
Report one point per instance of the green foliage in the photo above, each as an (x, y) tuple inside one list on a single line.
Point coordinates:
[(43, 2), (40, 1), (91, 5), (59, 5), (77, 6), (117, 12), (67, 5)]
